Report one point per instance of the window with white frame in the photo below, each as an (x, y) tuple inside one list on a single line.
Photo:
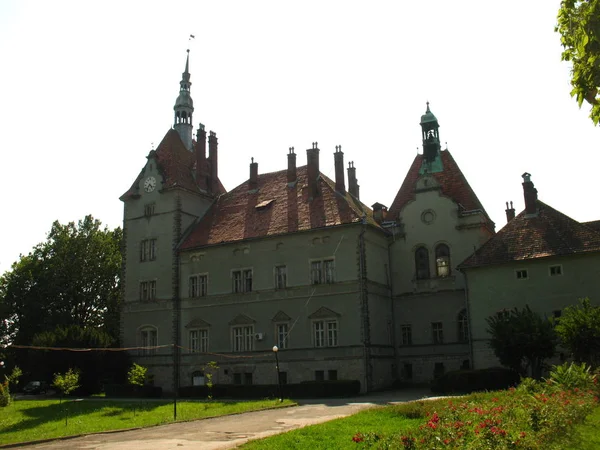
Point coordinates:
[(242, 338), (437, 332), (198, 285), (280, 277), (442, 260), (148, 341), (325, 333), (147, 290), (241, 280), (322, 271), (198, 378), (198, 342), (282, 330), (148, 250)]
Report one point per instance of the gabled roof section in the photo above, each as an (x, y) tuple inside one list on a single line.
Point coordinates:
[(176, 164), (198, 323), (549, 233), (235, 216), (323, 313), (452, 181), (242, 319)]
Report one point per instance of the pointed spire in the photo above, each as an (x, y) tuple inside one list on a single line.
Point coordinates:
[(431, 137), (184, 107)]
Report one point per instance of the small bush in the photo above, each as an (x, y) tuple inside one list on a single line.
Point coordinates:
[(415, 410), (466, 381), (572, 375)]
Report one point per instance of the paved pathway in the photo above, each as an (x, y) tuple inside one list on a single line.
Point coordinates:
[(230, 431)]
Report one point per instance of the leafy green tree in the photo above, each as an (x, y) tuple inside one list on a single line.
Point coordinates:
[(66, 382), (13, 378), (522, 340), (70, 279), (579, 27), (209, 369), (579, 331), (137, 375)]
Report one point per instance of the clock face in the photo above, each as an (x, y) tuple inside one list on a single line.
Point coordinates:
[(149, 184)]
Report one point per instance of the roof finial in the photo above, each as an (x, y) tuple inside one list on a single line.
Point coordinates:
[(428, 106)]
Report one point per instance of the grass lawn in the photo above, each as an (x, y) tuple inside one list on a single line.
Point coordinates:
[(28, 420), (587, 435)]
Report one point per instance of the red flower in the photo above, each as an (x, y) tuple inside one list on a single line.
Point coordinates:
[(358, 437)]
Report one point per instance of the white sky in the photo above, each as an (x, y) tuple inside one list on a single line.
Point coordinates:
[(86, 88)]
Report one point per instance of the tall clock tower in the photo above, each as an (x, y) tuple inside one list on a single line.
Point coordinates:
[(176, 186)]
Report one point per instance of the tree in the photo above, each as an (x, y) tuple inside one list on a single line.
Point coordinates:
[(522, 340), (66, 383), (579, 331), (70, 279), (13, 379), (579, 27), (137, 375)]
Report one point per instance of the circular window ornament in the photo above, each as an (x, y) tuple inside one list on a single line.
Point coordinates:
[(428, 216)]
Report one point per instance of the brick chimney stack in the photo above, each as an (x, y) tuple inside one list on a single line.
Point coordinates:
[(530, 194), (253, 183), (201, 173), (379, 212), (213, 159), (353, 186), (312, 155), (510, 212), (291, 172), (338, 157)]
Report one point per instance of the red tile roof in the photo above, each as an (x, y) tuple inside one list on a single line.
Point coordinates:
[(235, 215), (550, 233), (175, 163), (594, 225), (452, 181)]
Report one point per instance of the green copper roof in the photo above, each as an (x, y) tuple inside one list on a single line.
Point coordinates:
[(428, 117), (434, 166)]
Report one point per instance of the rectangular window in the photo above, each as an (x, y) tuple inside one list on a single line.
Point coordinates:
[(555, 270), (237, 378), (242, 281), (319, 375), (332, 375), (282, 335), (325, 333), (198, 286), (322, 271), (437, 332), (149, 209), (147, 290), (242, 338), (148, 250), (148, 340), (521, 274), (408, 371), (198, 341), (280, 277), (248, 378), (406, 330)]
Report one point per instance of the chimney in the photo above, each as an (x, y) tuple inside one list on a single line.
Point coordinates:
[(510, 212), (253, 183), (338, 157), (213, 157), (530, 194), (379, 212), (291, 172), (312, 156), (353, 186), (201, 175)]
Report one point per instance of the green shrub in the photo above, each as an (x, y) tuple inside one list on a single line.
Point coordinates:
[(415, 410), (572, 375)]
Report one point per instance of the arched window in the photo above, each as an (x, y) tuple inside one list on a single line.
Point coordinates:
[(198, 378), (422, 263), (442, 260), (463, 326)]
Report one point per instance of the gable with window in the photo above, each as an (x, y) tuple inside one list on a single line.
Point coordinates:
[(241, 280), (148, 340), (325, 327), (442, 260), (422, 263), (322, 271), (198, 285), (242, 334)]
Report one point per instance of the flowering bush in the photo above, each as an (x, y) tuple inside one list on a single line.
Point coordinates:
[(534, 417)]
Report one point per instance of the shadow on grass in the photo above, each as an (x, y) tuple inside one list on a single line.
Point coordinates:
[(55, 412)]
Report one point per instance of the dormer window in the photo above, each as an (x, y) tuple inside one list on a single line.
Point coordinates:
[(422, 263), (442, 260)]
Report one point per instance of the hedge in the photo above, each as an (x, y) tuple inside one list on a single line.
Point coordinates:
[(466, 381)]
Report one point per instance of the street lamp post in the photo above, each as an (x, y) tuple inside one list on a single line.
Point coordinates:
[(276, 350)]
